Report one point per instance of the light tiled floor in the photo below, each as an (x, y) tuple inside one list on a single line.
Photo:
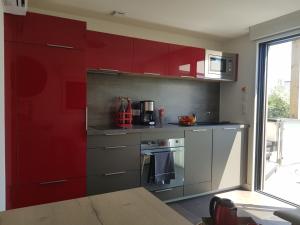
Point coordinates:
[(256, 205)]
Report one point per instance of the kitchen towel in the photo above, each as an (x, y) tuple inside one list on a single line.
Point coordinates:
[(162, 168)]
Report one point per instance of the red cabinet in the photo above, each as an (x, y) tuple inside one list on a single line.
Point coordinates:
[(47, 89), (109, 52), (33, 194), (186, 61), (11, 27), (150, 57), (45, 30)]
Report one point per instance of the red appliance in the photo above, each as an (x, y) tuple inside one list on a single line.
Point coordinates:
[(223, 211)]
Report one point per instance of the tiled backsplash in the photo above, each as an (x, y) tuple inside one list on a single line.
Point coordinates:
[(177, 97)]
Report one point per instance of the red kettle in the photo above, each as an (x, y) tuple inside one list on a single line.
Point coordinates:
[(223, 211)]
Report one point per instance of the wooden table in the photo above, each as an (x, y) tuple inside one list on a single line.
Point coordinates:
[(130, 207)]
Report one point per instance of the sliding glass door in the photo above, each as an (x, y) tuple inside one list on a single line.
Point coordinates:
[(279, 122)]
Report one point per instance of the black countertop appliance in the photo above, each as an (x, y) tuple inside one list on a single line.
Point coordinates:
[(147, 112)]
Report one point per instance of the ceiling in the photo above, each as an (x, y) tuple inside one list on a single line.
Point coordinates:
[(220, 18)]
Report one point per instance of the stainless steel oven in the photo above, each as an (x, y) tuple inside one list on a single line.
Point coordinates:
[(220, 65), (162, 164)]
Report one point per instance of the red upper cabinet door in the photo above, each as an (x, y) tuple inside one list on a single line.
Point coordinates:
[(150, 57), (12, 26), (186, 61), (109, 52), (50, 89), (47, 30)]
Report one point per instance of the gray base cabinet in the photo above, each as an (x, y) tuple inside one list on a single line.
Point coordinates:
[(113, 162), (228, 166), (168, 194), (194, 189), (198, 160), (98, 184)]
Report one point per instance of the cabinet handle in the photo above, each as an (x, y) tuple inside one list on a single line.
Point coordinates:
[(53, 182), (115, 147), (159, 191), (188, 77), (109, 70), (115, 173), (59, 46), (152, 74), (230, 128), (86, 118), (115, 134), (199, 130)]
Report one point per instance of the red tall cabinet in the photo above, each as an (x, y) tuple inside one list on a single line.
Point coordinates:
[(45, 99)]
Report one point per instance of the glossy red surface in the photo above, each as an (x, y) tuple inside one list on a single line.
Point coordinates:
[(150, 57), (43, 29), (108, 51), (11, 27), (46, 132), (186, 61), (10, 121), (33, 194)]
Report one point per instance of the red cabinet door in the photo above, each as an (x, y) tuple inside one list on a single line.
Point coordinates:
[(50, 93), (45, 30), (109, 52), (150, 57), (11, 27), (33, 194), (10, 117), (186, 61)]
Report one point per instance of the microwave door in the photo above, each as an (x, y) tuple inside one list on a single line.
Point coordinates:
[(217, 65)]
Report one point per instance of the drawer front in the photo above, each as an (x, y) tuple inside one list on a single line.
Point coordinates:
[(161, 135), (113, 139), (104, 160), (112, 182), (33, 194), (169, 194), (195, 189)]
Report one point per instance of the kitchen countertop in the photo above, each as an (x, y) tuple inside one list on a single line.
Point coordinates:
[(98, 130), (129, 207)]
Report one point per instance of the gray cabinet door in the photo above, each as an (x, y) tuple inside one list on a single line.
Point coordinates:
[(198, 158), (171, 193), (228, 157)]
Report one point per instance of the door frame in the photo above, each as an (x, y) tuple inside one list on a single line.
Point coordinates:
[(261, 111)]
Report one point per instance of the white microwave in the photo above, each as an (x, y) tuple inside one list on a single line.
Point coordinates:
[(220, 65)]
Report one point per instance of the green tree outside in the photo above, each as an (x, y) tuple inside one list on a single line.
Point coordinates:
[(278, 103)]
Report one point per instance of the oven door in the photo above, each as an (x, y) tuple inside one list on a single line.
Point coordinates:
[(147, 168)]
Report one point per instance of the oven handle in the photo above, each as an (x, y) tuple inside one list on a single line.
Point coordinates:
[(151, 152)]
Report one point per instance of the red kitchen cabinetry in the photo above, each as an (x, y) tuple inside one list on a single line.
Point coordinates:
[(46, 30), (186, 61), (150, 57), (33, 194), (109, 52), (47, 90)]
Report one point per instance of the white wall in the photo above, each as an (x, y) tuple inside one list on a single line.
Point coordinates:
[(232, 98), (236, 105), (2, 147), (278, 26)]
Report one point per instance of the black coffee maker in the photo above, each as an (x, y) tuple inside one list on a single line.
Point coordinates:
[(147, 115)]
